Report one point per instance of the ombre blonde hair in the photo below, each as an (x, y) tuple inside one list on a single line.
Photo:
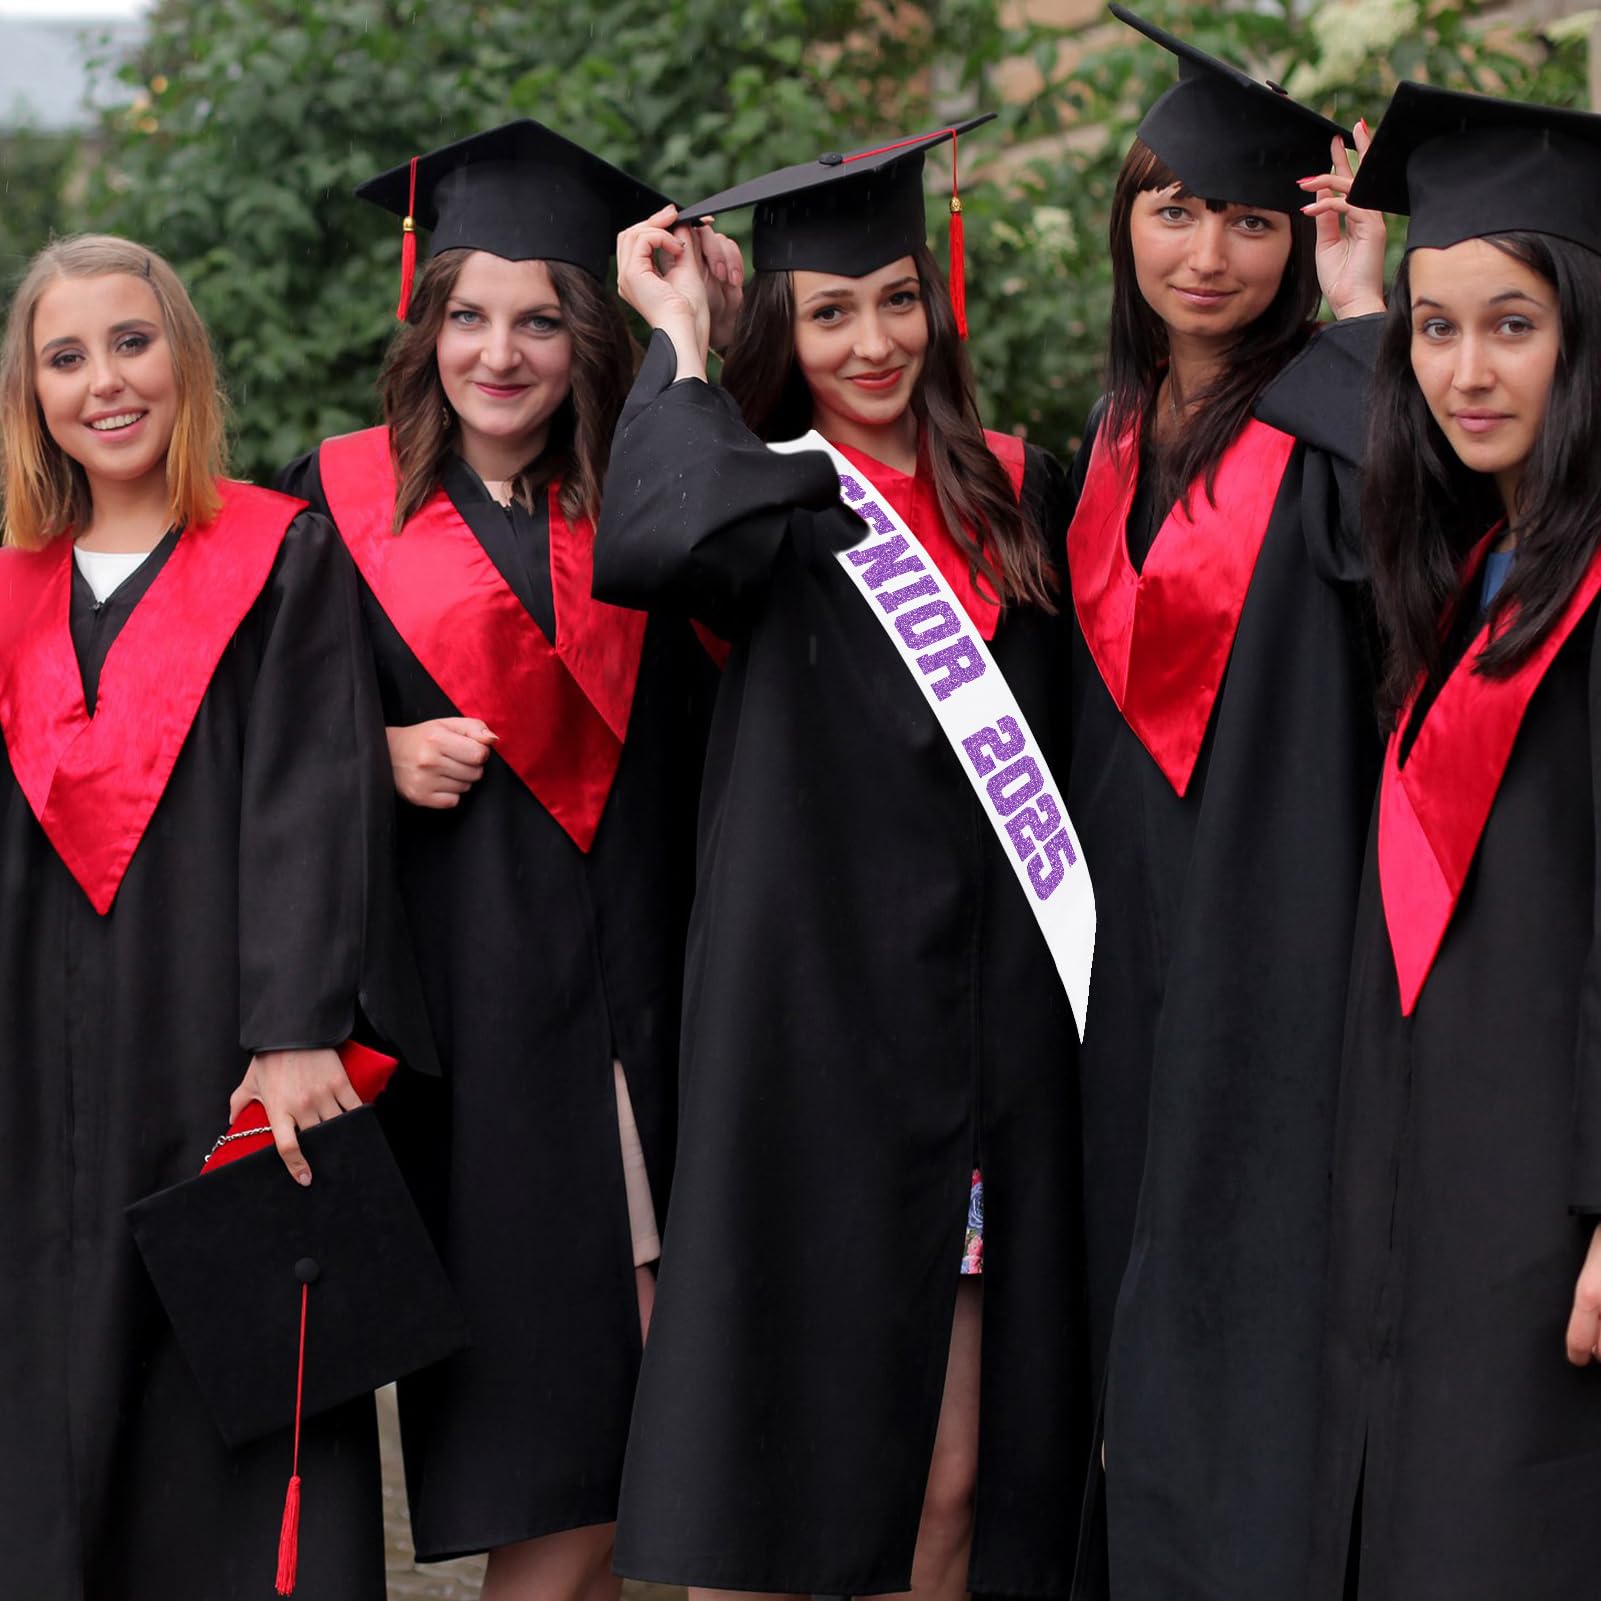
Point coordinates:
[(46, 491)]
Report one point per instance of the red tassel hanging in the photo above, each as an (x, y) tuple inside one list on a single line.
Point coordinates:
[(958, 273), (289, 1529), (408, 248), (289, 1540)]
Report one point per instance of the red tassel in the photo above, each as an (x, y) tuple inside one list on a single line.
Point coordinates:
[(289, 1540), (958, 268), (408, 248), (289, 1529), (958, 272)]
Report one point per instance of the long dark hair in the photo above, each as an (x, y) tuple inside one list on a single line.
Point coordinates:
[(1422, 509), (578, 446), (1137, 351), (1007, 558)]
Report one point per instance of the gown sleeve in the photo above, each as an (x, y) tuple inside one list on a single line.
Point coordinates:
[(1321, 398), (1585, 1185), (322, 939), (696, 508)]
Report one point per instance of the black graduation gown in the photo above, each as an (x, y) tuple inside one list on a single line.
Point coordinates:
[(1209, 1063), (869, 1006), (541, 964), (236, 928), (1469, 1140)]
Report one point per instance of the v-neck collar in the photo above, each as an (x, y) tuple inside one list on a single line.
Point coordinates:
[(1442, 771), (94, 782), (1161, 636)]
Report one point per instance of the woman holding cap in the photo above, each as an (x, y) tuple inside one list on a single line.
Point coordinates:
[(1223, 753), (546, 753), (872, 1015), (1461, 1442), (193, 837)]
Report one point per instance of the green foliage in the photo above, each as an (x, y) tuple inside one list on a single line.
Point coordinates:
[(256, 118), (34, 170)]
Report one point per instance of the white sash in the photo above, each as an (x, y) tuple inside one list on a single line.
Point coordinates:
[(978, 713)]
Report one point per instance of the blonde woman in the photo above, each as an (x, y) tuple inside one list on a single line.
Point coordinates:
[(188, 737)]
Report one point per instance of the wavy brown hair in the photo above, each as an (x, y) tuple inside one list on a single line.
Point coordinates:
[(578, 445), (1137, 353), (1008, 559), (46, 491)]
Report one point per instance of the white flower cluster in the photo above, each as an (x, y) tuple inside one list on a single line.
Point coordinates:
[(1348, 32)]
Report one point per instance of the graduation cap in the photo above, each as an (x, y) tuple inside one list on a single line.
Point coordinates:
[(849, 213), (1465, 165), (287, 1300), (1229, 137), (520, 191)]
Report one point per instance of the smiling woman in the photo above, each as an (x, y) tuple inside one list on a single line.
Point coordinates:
[(838, 1397), (195, 907), (126, 376), (546, 749)]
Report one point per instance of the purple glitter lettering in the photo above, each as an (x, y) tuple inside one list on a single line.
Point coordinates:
[(927, 625), (1033, 825), (849, 488), (891, 599), (883, 562), (1048, 870), (1002, 742), (959, 661), (1006, 799)]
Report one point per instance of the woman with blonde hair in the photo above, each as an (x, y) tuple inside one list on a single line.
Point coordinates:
[(188, 737)]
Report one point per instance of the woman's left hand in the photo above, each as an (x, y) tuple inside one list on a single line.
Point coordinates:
[(1584, 1326), (725, 285), (1350, 242)]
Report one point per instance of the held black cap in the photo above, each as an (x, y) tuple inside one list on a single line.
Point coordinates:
[(1464, 165), (520, 191), (231, 1251), (846, 212), (1228, 136)]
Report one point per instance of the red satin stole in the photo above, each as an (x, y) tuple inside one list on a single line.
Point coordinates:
[(913, 496), (1161, 637), (561, 710), (94, 782), (1433, 807)]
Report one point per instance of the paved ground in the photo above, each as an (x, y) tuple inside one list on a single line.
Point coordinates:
[(442, 1581)]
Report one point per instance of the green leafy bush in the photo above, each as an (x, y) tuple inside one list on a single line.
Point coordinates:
[(256, 118)]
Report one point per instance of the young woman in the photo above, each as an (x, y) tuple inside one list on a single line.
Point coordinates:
[(546, 757), (872, 1016), (1461, 1442), (1223, 751), (189, 849)]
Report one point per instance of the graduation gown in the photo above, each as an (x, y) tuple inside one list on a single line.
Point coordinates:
[(870, 1010), (543, 959), (1221, 797), (247, 917), (1468, 1158)]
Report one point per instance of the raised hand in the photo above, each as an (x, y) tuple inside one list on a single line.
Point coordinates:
[(674, 299), (1350, 242), (725, 285)]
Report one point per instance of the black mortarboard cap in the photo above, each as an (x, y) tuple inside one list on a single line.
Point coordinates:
[(520, 191), (1229, 137), (850, 212), (1466, 165), (229, 1251)]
